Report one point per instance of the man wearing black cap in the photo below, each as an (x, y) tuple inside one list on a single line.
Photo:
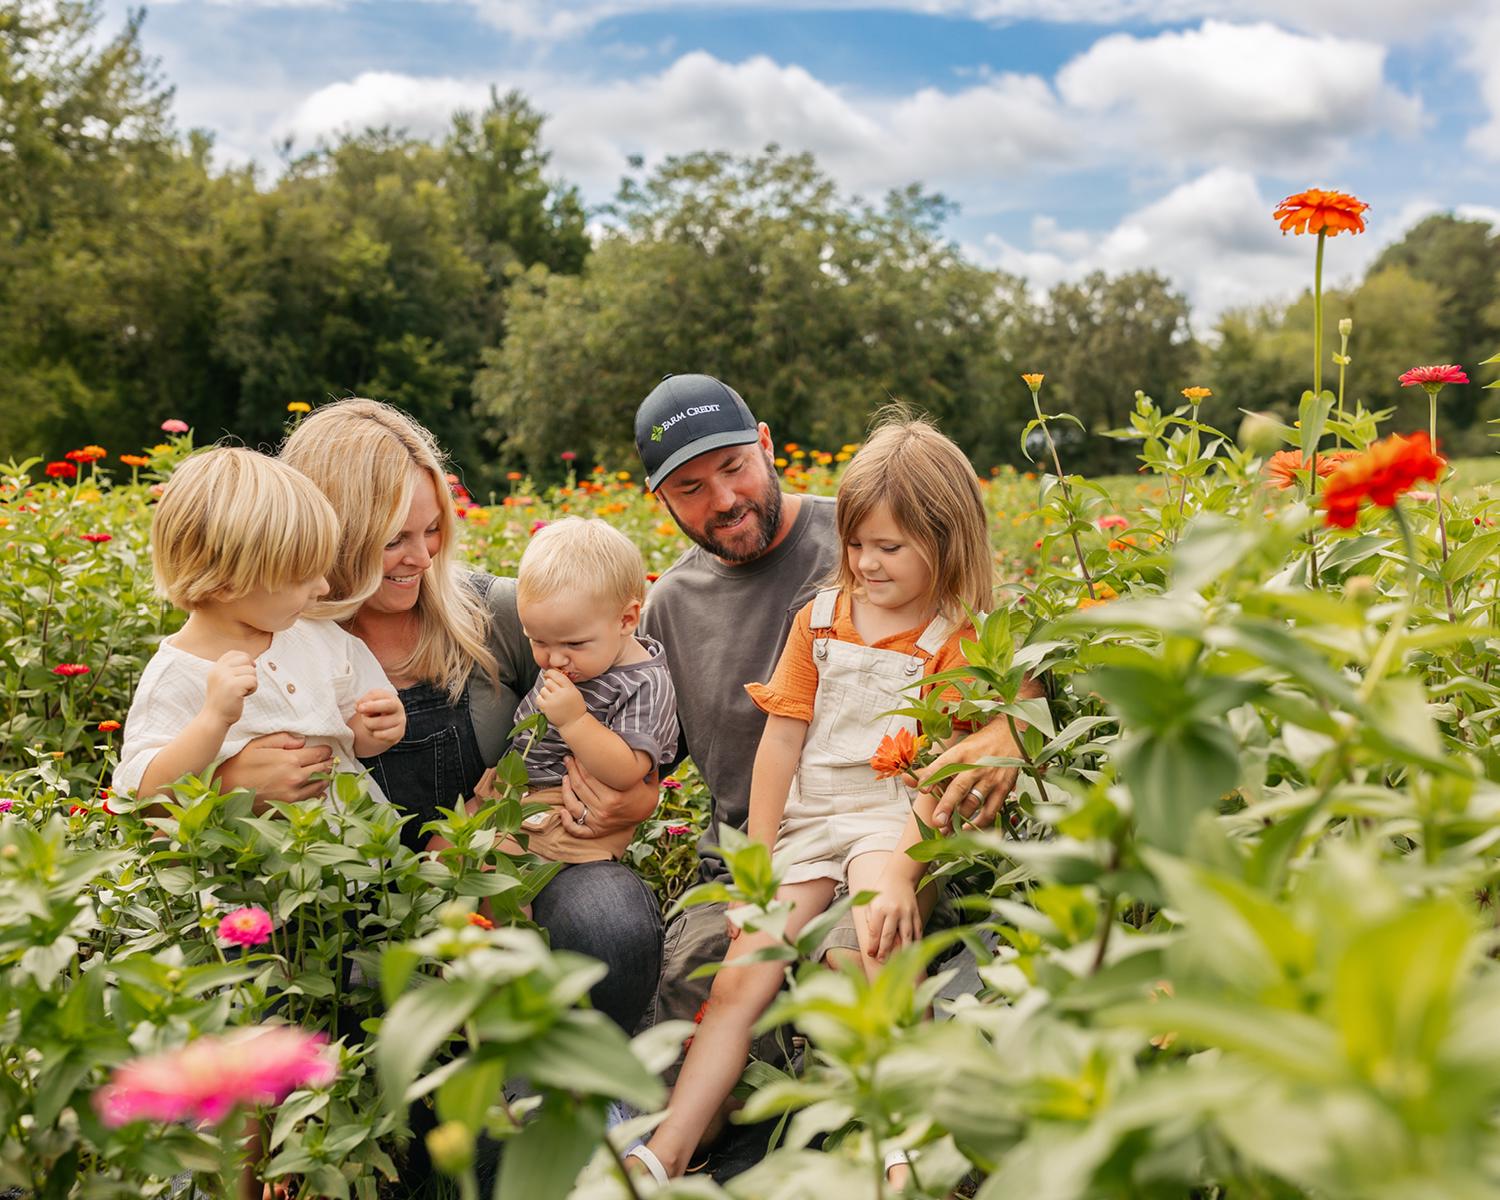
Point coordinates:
[(723, 612)]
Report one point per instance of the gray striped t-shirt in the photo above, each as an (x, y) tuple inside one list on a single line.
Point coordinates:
[(635, 700)]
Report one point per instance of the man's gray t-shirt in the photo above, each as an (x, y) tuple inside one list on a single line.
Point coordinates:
[(724, 626)]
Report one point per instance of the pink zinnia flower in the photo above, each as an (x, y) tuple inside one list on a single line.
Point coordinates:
[(1433, 378), (538, 525), (1112, 521), (68, 670), (209, 1078), (678, 830), (249, 926), (568, 455), (173, 425), (671, 784), (6, 805)]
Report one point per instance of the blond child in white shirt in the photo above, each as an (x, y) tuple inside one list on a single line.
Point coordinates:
[(242, 543)]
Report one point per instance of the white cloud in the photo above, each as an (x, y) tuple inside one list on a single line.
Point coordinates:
[(557, 19), (1213, 237), (701, 102), (1483, 59), (1247, 94)]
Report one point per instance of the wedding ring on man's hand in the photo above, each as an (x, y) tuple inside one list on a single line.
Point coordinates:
[(978, 796), (583, 817)]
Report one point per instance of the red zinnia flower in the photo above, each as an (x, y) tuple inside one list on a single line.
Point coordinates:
[(109, 726), (97, 538), (86, 454), (1386, 470), (68, 670), (1317, 211), (568, 455), (1432, 379), (61, 470)]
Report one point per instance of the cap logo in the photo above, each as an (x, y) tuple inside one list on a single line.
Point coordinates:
[(696, 411)]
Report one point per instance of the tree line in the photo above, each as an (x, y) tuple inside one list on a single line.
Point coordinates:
[(457, 278)]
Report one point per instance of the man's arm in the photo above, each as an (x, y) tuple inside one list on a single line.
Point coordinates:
[(978, 794)]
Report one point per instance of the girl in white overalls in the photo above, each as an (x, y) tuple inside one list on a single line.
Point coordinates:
[(911, 519)]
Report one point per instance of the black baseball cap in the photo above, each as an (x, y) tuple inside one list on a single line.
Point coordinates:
[(685, 416)]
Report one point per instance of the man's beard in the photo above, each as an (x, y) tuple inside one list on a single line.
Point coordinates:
[(766, 520)]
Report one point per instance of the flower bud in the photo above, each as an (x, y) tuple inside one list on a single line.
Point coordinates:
[(453, 915), (1346, 326), (451, 1147), (1260, 433), (10, 852), (1359, 588)]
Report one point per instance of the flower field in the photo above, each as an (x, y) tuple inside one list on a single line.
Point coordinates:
[(1251, 954), (1236, 934)]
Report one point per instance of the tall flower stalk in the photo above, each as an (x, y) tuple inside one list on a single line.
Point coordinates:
[(1326, 214), (1034, 382), (1346, 327), (1432, 380)]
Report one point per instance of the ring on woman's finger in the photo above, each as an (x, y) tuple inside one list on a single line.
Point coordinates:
[(583, 816)]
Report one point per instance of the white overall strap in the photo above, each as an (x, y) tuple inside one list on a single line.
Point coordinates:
[(933, 639), (825, 604)]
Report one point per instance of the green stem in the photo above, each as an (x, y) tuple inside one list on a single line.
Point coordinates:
[(1338, 437), (1083, 567), (1318, 317), (1386, 650), (1437, 490)]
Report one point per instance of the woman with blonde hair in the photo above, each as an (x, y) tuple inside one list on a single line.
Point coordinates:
[(451, 642)]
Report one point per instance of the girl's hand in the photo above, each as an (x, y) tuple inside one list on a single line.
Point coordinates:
[(384, 718), (892, 919), (560, 702), (230, 680)]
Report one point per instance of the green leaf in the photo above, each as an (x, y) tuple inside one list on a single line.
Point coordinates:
[(1463, 561), (417, 1024), (545, 1159), (468, 1094), (1312, 412), (1174, 776), (586, 1052)]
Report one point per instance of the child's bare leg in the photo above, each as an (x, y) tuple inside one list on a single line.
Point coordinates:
[(721, 1044)]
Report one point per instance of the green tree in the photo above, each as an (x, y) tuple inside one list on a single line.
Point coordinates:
[(1461, 259), (817, 309), (98, 302), (1099, 340)]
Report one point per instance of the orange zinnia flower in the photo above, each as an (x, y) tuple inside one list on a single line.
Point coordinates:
[(896, 754), (1317, 211), (1386, 470), (1196, 394), (1033, 381), (135, 460), (1286, 466), (479, 921)]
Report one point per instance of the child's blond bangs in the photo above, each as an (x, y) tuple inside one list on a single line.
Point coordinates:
[(230, 521), (590, 557), (932, 493)]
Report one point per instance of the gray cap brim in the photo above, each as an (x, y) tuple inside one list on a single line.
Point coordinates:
[(714, 441)]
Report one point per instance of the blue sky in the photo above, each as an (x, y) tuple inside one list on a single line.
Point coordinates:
[(1074, 134)]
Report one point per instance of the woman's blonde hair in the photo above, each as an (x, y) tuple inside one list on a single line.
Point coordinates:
[(591, 557), (365, 457), (933, 496), (230, 521)]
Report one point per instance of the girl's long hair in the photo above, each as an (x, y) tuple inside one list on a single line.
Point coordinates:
[(933, 495), (366, 457)]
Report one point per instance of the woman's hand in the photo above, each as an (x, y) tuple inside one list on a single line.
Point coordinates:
[(592, 809), (277, 766), (892, 919)]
